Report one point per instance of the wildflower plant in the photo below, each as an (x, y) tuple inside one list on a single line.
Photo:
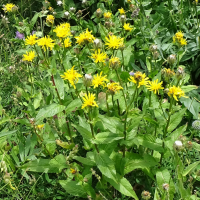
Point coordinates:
[(105, 106)]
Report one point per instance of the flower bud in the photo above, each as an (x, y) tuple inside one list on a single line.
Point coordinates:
[(155, 55), (76, 50), (153, 48), (98, 13), (123, 18), (178, 145), (146, 195), (107, 25), (84, 2), (67, 15), (59, 3), (73, 32), (14, 9), (114, 62), (72, 9), (79, 14), (32, 120), (180, 72), (189, 145), (87, 80), (165, 186), (196, 125), (171, 59), (97, 43)]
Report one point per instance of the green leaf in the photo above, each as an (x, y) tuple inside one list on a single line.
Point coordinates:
[(59, 161), (40, 165), (123, 186), (85, 161), (87, 135), (49, 111), (162, 177), (37, 100), (174, 136), (105, 165), (176, 119), (7, 133), (59, 85), (34, 19), (106, 137), (74, 188), (190, 168), (188, 88), (73, 105)]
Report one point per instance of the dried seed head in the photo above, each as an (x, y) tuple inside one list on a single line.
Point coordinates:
[(165, 186), (171, 59), (196, 125), (146, 195)]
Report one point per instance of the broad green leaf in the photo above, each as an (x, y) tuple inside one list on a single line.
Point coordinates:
[(188, 88), (106, 137), (174, 136), (176, 119), (87, 135), (7, 133), (113, 124), (190, 168), (59, 161), (149, 141), (49, 111), (73, 105), (40, 165), (85, 161), (37, 100), (74, 188), (162, 177), (105, 165), (59, 85), (123, 186)]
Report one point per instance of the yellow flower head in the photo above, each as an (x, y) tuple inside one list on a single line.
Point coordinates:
[(85, 38), (63, 30), (139, 78), (46, 42), (40, 127), (127, 27), (67, 43), (72, 76), (183, 42), (51, 9), (9, 7), (121, 11), (89, 101), (114, 87), (98, 56), (168, 73), (114, 62), (176, 92), (154, 86), (73, 171), (31, 40), (107, 15), (50, 19), (29, 56), (179, 35), (114, 42), (99, 80)]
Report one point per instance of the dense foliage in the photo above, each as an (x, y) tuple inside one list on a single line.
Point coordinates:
[(99, 100)]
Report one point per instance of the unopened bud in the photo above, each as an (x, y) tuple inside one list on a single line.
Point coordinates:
[(76, 50), (146, 195), (107, 24), (165, 186), (156, 55), (153, 48), (67, 15), (123, 18), (87, 80), (97, 43), (171, 59), (73, 32), (99, 13), (178, 145), (72, 9)]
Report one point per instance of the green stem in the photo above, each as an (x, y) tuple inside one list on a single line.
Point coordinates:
[(107, 104), (118, 106)]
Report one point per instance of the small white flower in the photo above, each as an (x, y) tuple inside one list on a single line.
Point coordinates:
[(84, 1), (72, 9), (67, 14), (97, 41), (88, 76), (59, 3)]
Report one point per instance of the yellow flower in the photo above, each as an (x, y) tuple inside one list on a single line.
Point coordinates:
[(107, 15), (176, 92), (31, 40), (85, 38), (50, 19), (127, 27), (179, 35), (29, 56), (183, 42), (51, 9), (73, 171), (139, 79), (72, 76), (89, 100), (114, 42), (154, 86), (121, 11), (114, 87), (40, 127), (67, 43), (114, 62), (99, 80), (98, 56), (9, 7), (46, 42), (63, 30)]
